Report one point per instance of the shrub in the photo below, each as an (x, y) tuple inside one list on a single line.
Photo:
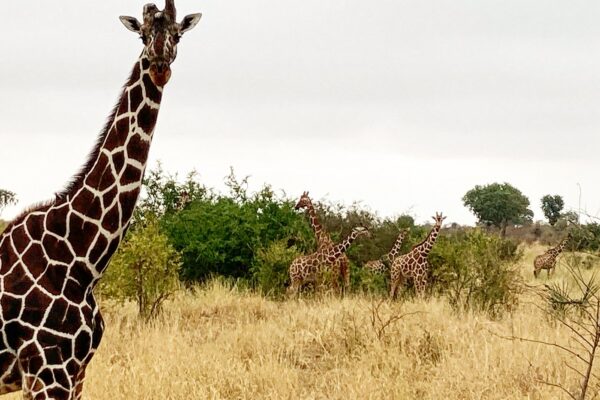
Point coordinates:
[(476, 271), (145, 269), (271, 265)]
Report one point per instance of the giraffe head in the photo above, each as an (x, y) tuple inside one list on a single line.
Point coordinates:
[(439, 218), (361, 231), (304, 201), (160, 33)]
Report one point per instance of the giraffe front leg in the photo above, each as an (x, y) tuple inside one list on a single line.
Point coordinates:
[(344, 274), (396, 283), (420, 285)]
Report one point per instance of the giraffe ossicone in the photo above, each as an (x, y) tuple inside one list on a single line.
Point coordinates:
[(52, 256)]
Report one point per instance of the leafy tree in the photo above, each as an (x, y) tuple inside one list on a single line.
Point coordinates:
[(498, 205), (552, 207), (6, 198), (145, 269)]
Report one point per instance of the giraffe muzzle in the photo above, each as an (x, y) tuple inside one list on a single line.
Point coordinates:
[(160, 73)]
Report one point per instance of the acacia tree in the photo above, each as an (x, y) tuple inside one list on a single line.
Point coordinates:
[(552, 207), (498, 204)]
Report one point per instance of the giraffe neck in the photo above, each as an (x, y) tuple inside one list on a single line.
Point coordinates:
[(393, 253), (425, 247), (340, 248), (559, 249), (103, 196), (320, 234)]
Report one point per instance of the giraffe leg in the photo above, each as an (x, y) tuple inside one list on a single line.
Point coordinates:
[(420, 285), (396, 283), (393, 289), (344, 274)]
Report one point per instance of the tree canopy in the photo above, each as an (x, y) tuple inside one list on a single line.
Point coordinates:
[(498, 204), (552, 207)]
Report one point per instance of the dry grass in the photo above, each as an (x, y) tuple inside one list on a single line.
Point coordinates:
[(220, 343)]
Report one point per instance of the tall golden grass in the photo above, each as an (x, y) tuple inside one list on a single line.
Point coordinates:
[(224, 343)]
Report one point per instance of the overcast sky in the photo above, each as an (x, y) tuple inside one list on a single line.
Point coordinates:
[(402, 105)]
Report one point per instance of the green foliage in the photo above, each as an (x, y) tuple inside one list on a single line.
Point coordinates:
[(367, 282), (6, 198), (220, 235), (552, 207), (585, 237), (162, 194), (145, 269), (476, 271), (270, 267), (498, 205)]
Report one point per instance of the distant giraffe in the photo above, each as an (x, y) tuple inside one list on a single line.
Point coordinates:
[(306, 269), (339, 267), (383, 265), (414, 264), (547, 260), (52, 256)]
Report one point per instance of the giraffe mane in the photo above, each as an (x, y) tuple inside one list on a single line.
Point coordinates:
[(75, 179), (39, 206), (93, 154)]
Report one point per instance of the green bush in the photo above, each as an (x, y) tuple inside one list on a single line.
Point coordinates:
[(585, 237), (145, 269), (221, 235), (476, 271), (271, 265)]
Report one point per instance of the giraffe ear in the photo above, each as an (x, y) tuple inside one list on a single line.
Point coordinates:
[(189, 22), (131, 23)]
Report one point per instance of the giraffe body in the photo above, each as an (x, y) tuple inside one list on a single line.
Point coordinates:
[(340, 266), (383, 265), (414, 264), (547, 260), (306, 269), (52, 256)]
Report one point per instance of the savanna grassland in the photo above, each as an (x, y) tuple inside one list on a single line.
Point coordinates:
[(220, 342)]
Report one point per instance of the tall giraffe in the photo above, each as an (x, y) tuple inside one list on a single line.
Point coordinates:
[(385, 262), (305, 269), (414, 264), (52, 256), (547, 260), (340, 266)]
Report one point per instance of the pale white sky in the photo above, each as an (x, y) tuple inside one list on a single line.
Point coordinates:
[(402, 105)]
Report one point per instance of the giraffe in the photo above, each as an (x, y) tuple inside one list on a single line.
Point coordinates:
[(340, 266), (305, 269), (52, 255), (382, 265), (547, 260), (414, 264)]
